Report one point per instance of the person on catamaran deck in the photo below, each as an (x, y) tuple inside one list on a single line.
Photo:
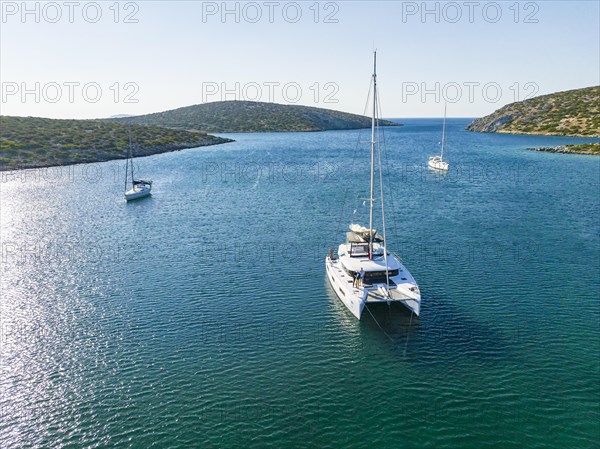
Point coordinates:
[(355, 280), (361, 277)]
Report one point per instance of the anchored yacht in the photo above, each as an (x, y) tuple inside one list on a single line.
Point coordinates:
[(363, 271), (438, 162), (140, 188)]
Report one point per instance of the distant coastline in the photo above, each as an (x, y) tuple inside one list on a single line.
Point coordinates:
[(36, 142)]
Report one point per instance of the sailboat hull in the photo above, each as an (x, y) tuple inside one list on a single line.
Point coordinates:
[(437, 164), (137, 193)]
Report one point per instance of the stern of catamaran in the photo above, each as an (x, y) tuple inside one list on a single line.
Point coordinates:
[(408, 296)]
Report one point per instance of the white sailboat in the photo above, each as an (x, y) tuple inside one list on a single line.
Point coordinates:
[(364, 254), (438, 162), (140, 188)]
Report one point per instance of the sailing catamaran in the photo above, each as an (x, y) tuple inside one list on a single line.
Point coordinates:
[(438, 162), (140, 188), (382, 277)]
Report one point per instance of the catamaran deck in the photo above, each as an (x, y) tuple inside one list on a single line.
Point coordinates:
[(395, 295)]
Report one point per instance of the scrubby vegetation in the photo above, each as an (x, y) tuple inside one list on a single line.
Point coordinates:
[(41, 142), (570, 113), (586, 147)]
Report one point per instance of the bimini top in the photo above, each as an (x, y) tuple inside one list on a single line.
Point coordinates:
[(360, 234), (377, 263), (141, 181)]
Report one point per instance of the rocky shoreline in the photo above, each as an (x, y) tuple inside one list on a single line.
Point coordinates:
[(566, 149)]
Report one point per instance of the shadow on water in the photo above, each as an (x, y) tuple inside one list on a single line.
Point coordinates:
[(395, 324), (440, 335)]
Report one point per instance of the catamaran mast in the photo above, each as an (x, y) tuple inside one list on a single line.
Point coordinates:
[(373, 153)]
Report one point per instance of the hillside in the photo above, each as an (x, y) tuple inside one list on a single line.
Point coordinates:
[(570, 113), (40, 142), (250, 116)]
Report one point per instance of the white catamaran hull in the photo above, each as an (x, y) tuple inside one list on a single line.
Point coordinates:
[(355, 299)]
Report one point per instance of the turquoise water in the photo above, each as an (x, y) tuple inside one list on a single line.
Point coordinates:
[(201, 317)]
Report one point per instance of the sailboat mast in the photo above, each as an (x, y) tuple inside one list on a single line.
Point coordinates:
[(126, 168), (443, 132), (373, 153), (127, 158), (130, 154)]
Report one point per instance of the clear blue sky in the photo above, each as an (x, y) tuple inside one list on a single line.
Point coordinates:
[(173, 55)]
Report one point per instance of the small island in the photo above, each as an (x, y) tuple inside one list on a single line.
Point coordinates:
[(32, 142), (592, 149), (253, 117)]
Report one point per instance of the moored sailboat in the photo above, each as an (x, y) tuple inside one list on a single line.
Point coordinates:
[(140, 188), (438, 162)]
